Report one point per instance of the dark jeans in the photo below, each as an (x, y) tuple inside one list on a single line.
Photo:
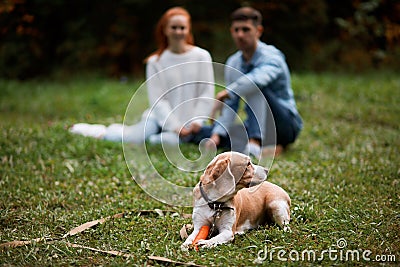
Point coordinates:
[(206, 132), (287, 124), (287, 128)]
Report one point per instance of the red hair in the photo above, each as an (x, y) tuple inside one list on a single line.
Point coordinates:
[(161, 38)]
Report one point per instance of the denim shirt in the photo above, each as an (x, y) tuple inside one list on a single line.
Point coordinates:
[(267, 70)]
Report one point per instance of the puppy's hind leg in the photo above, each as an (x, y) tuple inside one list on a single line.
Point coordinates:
[(280, 214)]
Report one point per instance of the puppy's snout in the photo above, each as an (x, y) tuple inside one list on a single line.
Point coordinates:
[(260, 172)]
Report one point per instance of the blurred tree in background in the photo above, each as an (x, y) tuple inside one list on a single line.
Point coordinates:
[(39, 37)]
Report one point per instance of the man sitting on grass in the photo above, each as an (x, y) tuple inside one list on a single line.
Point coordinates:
[(264, 66)]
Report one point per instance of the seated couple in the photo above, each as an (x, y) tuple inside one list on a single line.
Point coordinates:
[(180, 88)]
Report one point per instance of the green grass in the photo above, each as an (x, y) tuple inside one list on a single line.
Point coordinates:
[(342, 174)]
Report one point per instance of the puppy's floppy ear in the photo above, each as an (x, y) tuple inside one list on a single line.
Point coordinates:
[(219, 168), (240, 165), (230, 182), (223, 180), (214, 170)]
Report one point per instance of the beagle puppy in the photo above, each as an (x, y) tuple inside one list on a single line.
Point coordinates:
[(232, 197)]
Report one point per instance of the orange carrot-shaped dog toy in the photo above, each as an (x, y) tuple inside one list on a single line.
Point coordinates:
[(203, 234)]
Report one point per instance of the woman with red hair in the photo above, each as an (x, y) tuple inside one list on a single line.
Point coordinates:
[(179, 19), (180, 87)]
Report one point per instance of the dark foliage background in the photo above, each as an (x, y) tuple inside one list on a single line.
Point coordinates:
[(40, 37)]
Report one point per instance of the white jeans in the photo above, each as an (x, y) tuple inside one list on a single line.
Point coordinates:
[(144, 130), (138, 133)]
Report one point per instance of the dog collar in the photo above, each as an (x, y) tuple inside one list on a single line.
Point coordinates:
[(214, 205)]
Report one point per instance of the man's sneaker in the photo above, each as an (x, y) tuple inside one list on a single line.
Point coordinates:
[(253, 150)]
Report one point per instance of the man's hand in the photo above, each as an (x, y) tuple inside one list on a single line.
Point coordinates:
[(221, 96)]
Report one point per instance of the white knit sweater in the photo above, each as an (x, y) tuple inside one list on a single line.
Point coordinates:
[(180, 87)]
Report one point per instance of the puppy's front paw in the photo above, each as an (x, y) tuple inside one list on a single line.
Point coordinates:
[(206, 244), (287, 229), (185, 246)]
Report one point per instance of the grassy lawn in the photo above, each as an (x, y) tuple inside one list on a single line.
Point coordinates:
[(343, 176)]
